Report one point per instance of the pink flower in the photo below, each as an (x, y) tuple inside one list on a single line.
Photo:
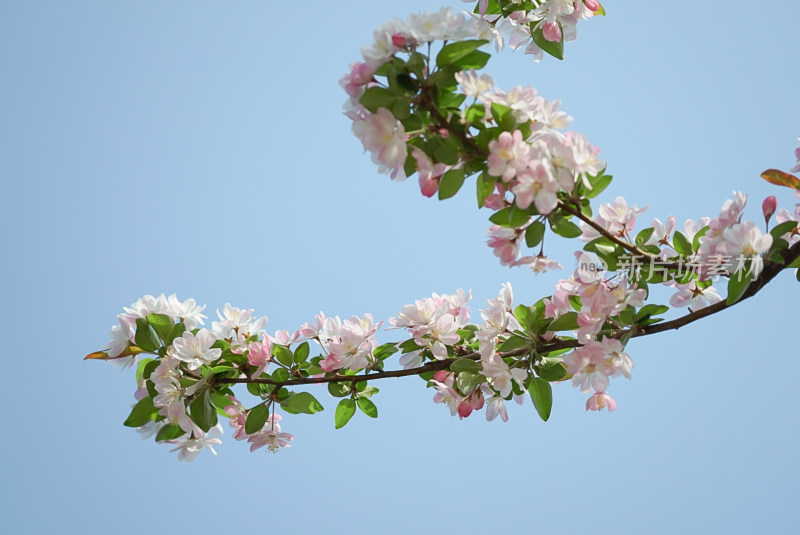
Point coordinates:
[(384, 137), (429, 173), (693, 296), (601, 400), (552, 31), (356, 80), (796, 168), (271, 436), (509, 155), (259, 354), (536, 184)]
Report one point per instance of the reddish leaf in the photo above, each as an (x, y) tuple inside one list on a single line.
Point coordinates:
[(99, 355), (774, 176)]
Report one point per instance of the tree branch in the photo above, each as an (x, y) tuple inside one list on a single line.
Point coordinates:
[(770, 271)]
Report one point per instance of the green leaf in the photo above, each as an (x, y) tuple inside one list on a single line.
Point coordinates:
[(738, 284), (564, 228), (455, 51), (204, 413), (503, 117), (510, 217), (651, 310), (284, 355), (485, 187), (492, 8), (367, 407), (301, 353), (141, 367), (554, 49), (644, 235), (450, 183), (409, 345), (375, 98), (513, 342), (339, 390), (783, 228), (565, 322), (534, 234), (177, 331), (542, 396), (474, 60), (696, 240), (555, 372), (169, 432), (302, 402), (681, 244), (142, 412), (344, 411), (446, 153), (467, 381), (256, 419), (146, 336), (465, 365), (162, 324), (385, 351), (599, 184)]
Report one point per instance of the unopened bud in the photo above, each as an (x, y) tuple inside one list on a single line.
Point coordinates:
[(594, 5), (399, 40), (769, 206)]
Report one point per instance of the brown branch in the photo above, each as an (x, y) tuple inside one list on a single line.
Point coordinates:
[(770, 271), (630, 247)]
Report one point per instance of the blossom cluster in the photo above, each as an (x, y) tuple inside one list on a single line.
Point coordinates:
[(380, 132), (554, 21), (348, 344)]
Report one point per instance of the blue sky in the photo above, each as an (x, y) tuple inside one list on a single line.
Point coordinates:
[(199, 148)]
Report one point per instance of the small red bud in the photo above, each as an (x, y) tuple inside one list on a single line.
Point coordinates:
[(769, 206)]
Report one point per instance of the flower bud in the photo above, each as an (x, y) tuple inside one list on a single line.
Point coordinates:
[(769, 206), (594, 5), (399, 40)]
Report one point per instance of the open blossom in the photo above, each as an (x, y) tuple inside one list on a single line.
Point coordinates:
[(188, 312), (536, 184), (236, 324), (189, 447), (195, 349), (501, 376), (384, 137), (444, 24), (271, 436), (796, 168), (357, 79), (259, 354), (617, 218), (446, 394), (429, 172), (693, 296), (473, 85), (745, 240), (509, 155), (601, 400), (591, 365)]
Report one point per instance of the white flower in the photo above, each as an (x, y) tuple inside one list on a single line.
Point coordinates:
[(188, 448), (195, 350)]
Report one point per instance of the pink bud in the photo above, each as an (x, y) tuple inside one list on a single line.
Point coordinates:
[(769, 206), (594, 5), (399, 40), (464, 408), (441, 376)]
